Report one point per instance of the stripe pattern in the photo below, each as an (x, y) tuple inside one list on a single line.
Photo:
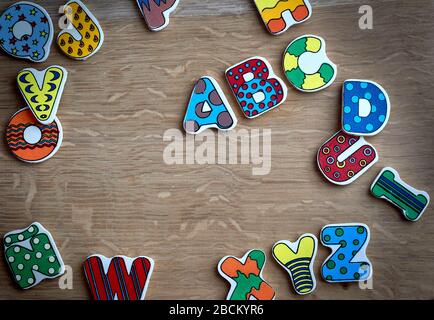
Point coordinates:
[(301, 276), (390, 186), (111, 279), (297, 259), (398, 191), (15, 140), (39, 143)]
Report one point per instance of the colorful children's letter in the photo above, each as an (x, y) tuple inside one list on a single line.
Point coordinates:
[(208, 108), (348, 261), (297, 258), (84, 36), (307, 66), (42, 91), (29, 140), (279, 15), (245, 277), (157, 12), (32, 255), (256, 87), (26, 31), (118, 278), (389, 186), (365, 107), (344, 158)]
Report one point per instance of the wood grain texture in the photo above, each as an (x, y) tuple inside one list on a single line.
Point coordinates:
[(109, 191)]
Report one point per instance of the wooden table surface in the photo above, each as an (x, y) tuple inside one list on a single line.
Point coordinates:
[(109, 191)]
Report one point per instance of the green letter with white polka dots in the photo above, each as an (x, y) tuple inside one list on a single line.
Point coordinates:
[(32, 255)]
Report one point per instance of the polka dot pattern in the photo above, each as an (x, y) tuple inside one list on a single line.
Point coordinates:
[(355, 120), (352, 240), (208, 108), (352, 167), (42, 256), (255, 87)]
